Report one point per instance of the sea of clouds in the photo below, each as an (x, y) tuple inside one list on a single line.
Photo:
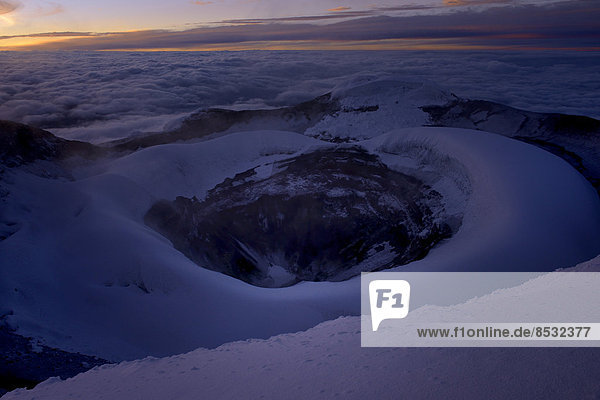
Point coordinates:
[(99, 96)]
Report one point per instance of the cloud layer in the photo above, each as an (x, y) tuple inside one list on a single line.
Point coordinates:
[(119, 94)]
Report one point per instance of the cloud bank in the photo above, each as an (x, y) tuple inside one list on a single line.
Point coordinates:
[(118, 94)]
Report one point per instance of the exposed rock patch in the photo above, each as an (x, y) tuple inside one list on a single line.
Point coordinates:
[(574, 138), (205, 123), (22, 144)]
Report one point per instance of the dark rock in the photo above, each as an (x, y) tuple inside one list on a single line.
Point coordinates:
[(574, 138), (23, 144), (212, 121)]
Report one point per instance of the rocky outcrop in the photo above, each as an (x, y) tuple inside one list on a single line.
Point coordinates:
[(206, 123), (574, 138), (343, 118), (23, 144)]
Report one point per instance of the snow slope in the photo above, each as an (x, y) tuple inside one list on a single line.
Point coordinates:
[(521, 213), (372, 105), (327, 362), (85, 274)]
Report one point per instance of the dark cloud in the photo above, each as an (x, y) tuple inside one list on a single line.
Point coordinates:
[(305, 18), (344, 13), (52, 34), (562, 25), (7, 6), (459, 3)]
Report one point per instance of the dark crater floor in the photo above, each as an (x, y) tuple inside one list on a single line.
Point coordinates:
[(325, 215)]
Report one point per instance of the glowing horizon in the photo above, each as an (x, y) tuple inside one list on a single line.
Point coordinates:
[(276, 25)]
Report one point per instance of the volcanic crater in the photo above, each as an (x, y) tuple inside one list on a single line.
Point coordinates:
[(326, 215)]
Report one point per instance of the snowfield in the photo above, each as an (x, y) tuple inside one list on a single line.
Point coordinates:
[(85, 274), (372, 106), (327, 362), (520, 214)]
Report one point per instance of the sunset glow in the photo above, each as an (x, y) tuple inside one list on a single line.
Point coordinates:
[(272, 24)]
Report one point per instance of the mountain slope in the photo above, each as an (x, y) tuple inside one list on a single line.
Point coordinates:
[(118, 279), (327, 361)]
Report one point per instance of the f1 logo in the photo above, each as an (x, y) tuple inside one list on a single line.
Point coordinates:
[(389, 299)]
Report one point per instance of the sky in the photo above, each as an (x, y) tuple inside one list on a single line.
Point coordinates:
[(310, 24)]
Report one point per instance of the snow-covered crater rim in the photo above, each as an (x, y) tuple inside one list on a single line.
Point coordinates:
[(326, 214)]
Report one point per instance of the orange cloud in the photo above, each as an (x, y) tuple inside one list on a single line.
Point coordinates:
[(202, 3), (341, 8), (568, 25), (8, 6)]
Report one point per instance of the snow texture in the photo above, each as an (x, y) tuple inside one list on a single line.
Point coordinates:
[(327, 362), (118, 280)]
